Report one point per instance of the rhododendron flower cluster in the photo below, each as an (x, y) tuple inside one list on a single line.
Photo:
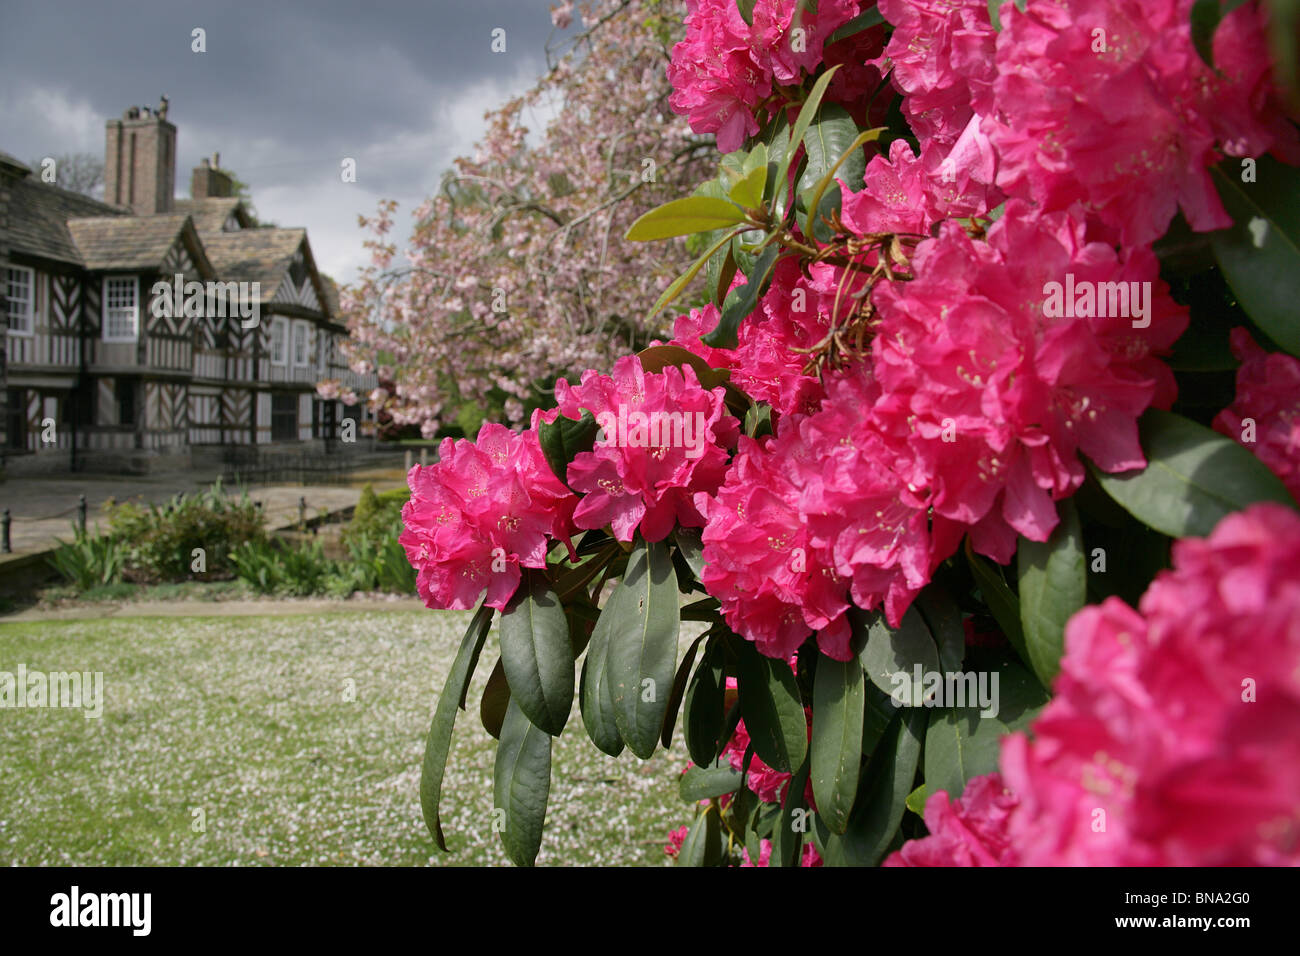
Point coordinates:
[(770, 360), (901, 195), (1268, 395), (1174, 738), (482, 512), (968, 831), (724, 69), (989, 398), (664, 438), (942, 54), (978, 407), (807, 519), (1107, 103)]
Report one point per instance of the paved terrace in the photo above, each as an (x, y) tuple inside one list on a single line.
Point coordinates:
[(43, 509)]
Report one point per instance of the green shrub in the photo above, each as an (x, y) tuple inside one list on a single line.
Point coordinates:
[(275, 568), (258, 564), (376, 516), (380, 564), (160, 541), (89, 561)]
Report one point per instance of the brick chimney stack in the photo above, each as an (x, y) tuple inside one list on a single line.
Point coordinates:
[(140, 162), (210, 182)]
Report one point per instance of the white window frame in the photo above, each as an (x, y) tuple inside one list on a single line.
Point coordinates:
[(30, 300), (301, 328), (280, 336), (106, 309)]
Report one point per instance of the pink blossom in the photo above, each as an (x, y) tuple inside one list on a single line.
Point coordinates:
[(718, 77), (675, 840), (909, 194), (1178, 728), (808, 855), (872, 528), (768, 784), (774, 587), (562, 15), (644, 475), (811, 516), (724, 68), (794, 313), (1268, 394), (968, 831), (1174, 735), (1106, 103), (478, 515), (942, 57), (988, 399)]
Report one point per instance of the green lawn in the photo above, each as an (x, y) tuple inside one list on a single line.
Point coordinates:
[(245, 718)]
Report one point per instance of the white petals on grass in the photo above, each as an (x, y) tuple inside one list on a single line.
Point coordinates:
[(247, 719)]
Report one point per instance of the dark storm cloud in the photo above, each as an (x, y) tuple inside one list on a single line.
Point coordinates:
[(284, 92)]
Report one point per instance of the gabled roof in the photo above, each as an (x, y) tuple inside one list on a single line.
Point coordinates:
[(210, 214), (331, 296), (255, 255), (39, 214), (135, 243)]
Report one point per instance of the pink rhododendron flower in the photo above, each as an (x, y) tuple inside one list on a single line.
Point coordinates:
[(991, 384), (483, 511), (664, 438), (808, 855), (690, 328), (1268, 394), (675, 840), (774, 588), (1106, 103), (768, 784), (724, 68), (942, 57), (809, 517), (1181, 724), (794, 313), (1174, 735), (718, 77), (870, 526), (900, 195), (968, 831)]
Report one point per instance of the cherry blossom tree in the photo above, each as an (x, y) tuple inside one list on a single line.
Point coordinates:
[(517, 271)]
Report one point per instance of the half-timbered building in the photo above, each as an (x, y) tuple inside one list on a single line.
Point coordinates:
[(97, 374)]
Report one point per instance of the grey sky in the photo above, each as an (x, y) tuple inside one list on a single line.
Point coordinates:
[(286, 89)]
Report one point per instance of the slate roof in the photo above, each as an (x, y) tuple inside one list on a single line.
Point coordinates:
[(254, 255), (39, 214), (126, 242), (57, 224), (209, 214), (331, 296)]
